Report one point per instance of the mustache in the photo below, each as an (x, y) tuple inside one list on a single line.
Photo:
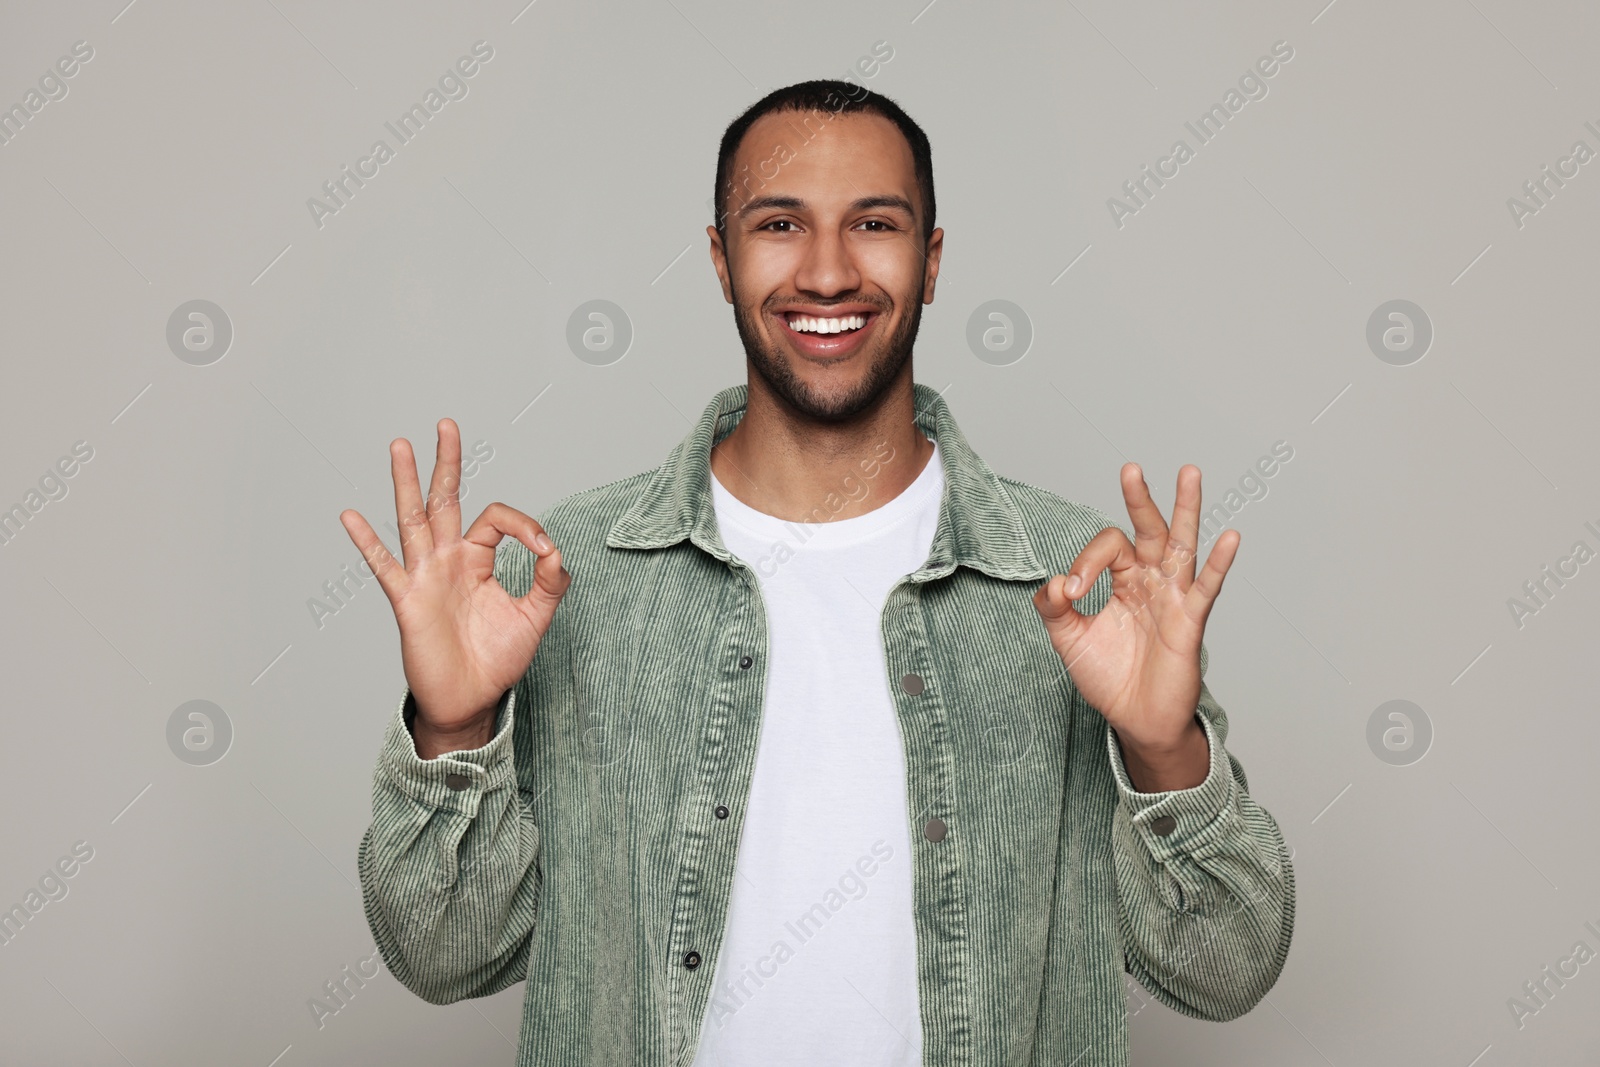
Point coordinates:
[(875, 303)]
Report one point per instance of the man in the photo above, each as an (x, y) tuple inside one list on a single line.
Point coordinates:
[(819, 743)]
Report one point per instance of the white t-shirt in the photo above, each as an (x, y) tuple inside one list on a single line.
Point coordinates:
[(818, 965)]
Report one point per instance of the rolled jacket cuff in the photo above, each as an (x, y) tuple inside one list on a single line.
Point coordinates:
[(1187, 821), (452, 781)]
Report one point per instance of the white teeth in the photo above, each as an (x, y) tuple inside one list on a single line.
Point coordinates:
[(812, 325)]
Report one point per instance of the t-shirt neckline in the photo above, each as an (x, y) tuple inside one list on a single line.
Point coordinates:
[(733, 511)]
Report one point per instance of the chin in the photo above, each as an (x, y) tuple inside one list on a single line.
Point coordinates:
[(829, 391), (834, 393)]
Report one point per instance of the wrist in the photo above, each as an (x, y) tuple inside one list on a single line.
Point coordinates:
[(433, 741), (1164, 764)]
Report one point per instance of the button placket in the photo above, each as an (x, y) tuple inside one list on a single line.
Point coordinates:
[(921, 696), (934, 829), (745, 663), (697, 917)]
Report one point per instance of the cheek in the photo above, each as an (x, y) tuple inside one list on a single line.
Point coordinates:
[(896, 268), (756, 273)]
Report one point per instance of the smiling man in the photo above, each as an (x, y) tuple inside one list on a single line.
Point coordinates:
[(820, 742)]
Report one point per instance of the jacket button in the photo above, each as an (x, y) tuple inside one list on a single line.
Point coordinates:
[(1163, 825), (691, 960), (744, 663), (720, 811), (935, 830), (912, 683), (458, 782)]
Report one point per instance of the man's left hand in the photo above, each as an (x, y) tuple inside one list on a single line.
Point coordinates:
[(1138, 660)]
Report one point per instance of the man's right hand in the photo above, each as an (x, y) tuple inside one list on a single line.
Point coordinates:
[(463, 639)]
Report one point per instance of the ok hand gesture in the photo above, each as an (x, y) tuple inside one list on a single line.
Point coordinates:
[(463, 639), (1138, 660)]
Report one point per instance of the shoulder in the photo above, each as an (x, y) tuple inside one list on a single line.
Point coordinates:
[(590, 513), (1057, 527)]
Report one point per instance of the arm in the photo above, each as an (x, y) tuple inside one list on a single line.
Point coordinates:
[(1203, 880), (449, 876), (1207, 908), (449, 866)]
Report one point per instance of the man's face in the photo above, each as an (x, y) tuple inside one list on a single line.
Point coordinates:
[(826, 229)]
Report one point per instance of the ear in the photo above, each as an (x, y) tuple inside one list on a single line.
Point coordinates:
[(719, 261), (930, 269)]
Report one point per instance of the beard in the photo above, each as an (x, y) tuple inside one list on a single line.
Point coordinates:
[(884, 363)]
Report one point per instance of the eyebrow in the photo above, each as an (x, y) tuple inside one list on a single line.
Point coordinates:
[(794, 203)]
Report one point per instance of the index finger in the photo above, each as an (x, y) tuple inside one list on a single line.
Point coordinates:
[(1108, 548)]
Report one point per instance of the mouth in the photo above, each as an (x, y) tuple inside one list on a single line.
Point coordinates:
[(828, 337)]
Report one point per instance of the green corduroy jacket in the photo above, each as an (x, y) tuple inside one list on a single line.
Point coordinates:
[(580, 849)]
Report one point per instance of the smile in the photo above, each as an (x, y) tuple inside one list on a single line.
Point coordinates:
[(828, 337), (844, 324)]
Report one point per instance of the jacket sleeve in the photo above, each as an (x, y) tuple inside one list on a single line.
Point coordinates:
[(449, 866), (1205, 884)]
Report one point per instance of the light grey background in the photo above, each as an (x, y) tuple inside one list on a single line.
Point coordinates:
[(1229, 313)]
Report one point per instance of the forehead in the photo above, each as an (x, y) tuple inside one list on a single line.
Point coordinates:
[(830, 157)]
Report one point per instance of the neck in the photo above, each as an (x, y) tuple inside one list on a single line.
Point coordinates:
[(782, 463)]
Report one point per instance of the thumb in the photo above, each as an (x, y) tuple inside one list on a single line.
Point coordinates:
[(1063, 621), (550, 578)]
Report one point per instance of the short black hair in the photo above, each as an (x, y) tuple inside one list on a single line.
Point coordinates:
[(839, 97)]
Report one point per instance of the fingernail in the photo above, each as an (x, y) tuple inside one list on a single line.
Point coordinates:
[(543, 543), (1072, 585)]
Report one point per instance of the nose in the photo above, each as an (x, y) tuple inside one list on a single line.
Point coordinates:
[(827, 268)]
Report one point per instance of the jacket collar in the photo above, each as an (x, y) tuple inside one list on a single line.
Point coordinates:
[(979, 524)]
